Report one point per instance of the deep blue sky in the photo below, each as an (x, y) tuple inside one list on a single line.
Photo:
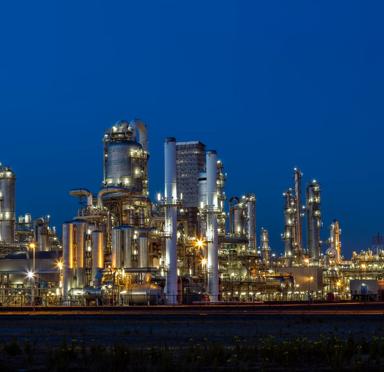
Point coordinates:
[(269, 84)]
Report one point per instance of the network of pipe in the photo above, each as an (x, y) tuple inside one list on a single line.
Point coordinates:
[(121, 241), (190, 245), (181, 248)]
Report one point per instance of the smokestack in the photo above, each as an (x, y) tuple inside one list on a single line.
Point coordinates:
[(170, 194), (212, 233)]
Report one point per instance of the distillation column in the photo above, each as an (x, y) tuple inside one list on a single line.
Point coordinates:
[(251, 220), (7, 205), (298, 227), (212, 233), (335, 240), (313, 220), (221, 198), (289, 226), (265, 248), (170, 195)]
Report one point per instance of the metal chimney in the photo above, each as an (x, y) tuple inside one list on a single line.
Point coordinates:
[(212, 233), (170, 194)]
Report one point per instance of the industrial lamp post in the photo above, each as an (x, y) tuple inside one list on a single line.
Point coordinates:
[(31, 275)]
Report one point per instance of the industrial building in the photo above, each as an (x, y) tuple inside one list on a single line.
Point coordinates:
[(25, 244), (190, 163), (190, 245)]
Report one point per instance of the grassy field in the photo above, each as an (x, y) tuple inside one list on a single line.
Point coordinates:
[(191, 342)]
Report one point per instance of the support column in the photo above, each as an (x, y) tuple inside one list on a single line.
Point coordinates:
[(170, 194), (212, 233)]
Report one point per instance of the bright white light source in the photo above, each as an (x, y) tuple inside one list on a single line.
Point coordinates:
[(30, 274)]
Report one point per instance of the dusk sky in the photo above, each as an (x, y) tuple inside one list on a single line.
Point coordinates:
[(269, 84)]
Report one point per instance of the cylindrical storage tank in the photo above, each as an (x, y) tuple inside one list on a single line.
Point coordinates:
[(97, 251), (143, 251), (7, 231), (42, 238), (238, 228), (116, 248), (147, 294), (119, 162), (68, 245), (123, 158), (67, 257), (7, 205), (79, 230), (128, 236)]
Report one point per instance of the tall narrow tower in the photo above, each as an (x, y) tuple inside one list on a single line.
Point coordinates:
[(289, 223), (212, 233), (7, 205), (298, 225), (335, 240), (251, 222), (170, 219), (314, 220), (265, 248)]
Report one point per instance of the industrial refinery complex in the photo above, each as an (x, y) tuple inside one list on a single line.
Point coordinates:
[(192, 245)]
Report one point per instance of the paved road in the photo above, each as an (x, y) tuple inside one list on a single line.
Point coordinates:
[(246, 310), (185, 325)]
